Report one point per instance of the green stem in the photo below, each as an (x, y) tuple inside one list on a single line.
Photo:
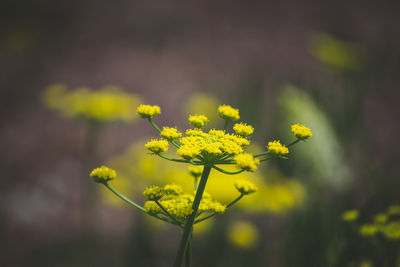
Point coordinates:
[(167, 213), (226, 124), (261, 160), (189, 224), (118, 194), (226, 172), (171, 159), (189, 254), (293, 143), (234, 202), (261, 154)]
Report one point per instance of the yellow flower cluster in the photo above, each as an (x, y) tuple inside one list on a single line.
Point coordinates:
[(210, 146), (367, 230), (245, 187), (350, 215), (148, 111), (157, 146), (277, 148), (107, 104), (242, 129), (170, 133), (391, 230), (180, 204), (103, 174), (198, 121), (301, 131), (153, 193), (246, 162), (173, 189), (228, 113), (195, 171)]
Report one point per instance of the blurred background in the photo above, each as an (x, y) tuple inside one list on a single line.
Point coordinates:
[(332, 65)]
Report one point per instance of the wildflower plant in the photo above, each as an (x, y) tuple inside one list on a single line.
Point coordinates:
[(202, 151)]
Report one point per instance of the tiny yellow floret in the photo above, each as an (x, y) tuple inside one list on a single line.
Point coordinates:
[(246, 162), (173, 189), (153, 193), (195, 171), (245, 187), (103, 174), (198, 121), (148, 111), (170, 133), (157, 146), (301, 131), (277, 148), (228, 113), (350, 215), (242, 129)]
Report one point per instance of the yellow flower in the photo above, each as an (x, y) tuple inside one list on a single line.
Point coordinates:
[(153, 193), (103, 174), (277, 148), (109, 103), (367, 230), (195, 171), (245, 187), (148, 111), (394, 210), (350, 215), (246, 162), (392, 230), (228, 113), (366, 264), (243, 234), (380, 218), (157, 146), (301, 131), (243, 129), (198, 121), (173, 189), (170, 133)]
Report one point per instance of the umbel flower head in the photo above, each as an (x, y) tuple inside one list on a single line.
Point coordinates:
[(245, 187), (157, 146), (228, 113), (246, 162), (198, 121), (277, 148), (148, 111), (301, 131), (103, 174)]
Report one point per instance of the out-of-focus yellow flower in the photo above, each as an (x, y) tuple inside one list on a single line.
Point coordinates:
[(391, 230), (394, 210), (198, 121), (243, 234), (246, 162), (243, 129), (173, 189), (106, 104), (366, 264), (170, 133), (368, 230), (380, 218), (245, 187), (228, 113), (103, 174), (277, 148), (301, 131), (350, 215), (157, 146), (148, 111), (195, 171)]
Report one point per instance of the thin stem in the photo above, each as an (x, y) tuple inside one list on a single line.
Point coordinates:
[(226, 172), (189, 254), (196, 183), (214, 213), (226, 124), (171, 159), (261, 160), (189, 224), (167, 213), (293, 143), (234, 202), (118, 194), (261, 154)]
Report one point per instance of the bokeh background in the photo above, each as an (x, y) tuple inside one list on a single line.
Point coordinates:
[(333, 65)]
